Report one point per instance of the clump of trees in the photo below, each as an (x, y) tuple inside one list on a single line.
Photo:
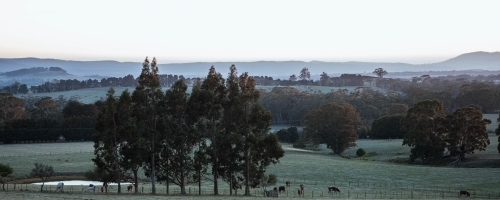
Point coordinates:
[(175, 136), (429, 131), (333, 124)]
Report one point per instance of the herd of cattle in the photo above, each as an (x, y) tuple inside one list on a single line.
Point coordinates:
[(300, 191), (331, 190), (272, 193)]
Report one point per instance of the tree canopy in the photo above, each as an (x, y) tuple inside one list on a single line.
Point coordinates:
[(467, 131), (423, 127), (333, 124)]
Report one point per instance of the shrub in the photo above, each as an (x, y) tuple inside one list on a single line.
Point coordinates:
[(289, 135), (299, 144), (360, 152)]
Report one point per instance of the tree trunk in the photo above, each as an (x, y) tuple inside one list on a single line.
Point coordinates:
[(216, 166), (119, 181), (136, 181), (153, 173), (183, 184), (247, 180), (230, 182)]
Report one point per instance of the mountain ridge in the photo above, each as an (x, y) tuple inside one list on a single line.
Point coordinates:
[(278, 69)]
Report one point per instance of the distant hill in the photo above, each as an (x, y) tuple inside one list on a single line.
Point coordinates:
[(275, 69), (475, 60)]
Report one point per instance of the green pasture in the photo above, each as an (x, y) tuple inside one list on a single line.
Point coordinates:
[(374, 176), (91, 95)]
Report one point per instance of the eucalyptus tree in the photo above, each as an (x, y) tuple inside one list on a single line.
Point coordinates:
[(107, 141), (145, 100), (183, 137), (205, 108), (133, 144), (249, 123)]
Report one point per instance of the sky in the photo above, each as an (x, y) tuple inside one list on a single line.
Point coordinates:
[(413, 32)]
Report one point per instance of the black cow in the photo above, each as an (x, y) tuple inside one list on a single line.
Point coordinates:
[(333, 189), (281, 189), (463, 192)]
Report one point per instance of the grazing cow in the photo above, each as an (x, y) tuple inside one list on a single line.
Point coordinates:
[(463, 192), (287, 183), (60, 186), (301, 190), (333, 189), (130, 188), (281, 189)]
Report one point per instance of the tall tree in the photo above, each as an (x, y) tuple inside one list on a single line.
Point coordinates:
[(133, 144), (423, 125), (107, 141), (380, 72), (292, 78), (183, 136), (333, 124), (305, 74), (205, 107), (467, 131), (324, 78), (250, 121), (145, 99)]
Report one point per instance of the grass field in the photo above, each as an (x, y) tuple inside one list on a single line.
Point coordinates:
[(91, 95), (315, 169)]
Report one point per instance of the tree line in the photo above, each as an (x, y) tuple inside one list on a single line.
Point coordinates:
[(46, 121)]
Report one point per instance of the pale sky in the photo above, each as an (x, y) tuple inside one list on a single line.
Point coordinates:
[(209, 30)]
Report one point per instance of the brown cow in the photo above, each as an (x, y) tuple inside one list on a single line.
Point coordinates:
[(333, 189), (463, 192), (130, 188)]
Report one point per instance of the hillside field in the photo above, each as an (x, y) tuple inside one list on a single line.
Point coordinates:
[(372, 175), (91, 95)]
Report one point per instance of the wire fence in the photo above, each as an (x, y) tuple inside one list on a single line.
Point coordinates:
[(357, 190), (44, 153)]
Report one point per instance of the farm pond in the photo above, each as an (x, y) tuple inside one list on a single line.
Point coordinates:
[(78, 182)]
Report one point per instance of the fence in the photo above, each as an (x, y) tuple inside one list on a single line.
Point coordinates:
[(377, 192), (43, 154)]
